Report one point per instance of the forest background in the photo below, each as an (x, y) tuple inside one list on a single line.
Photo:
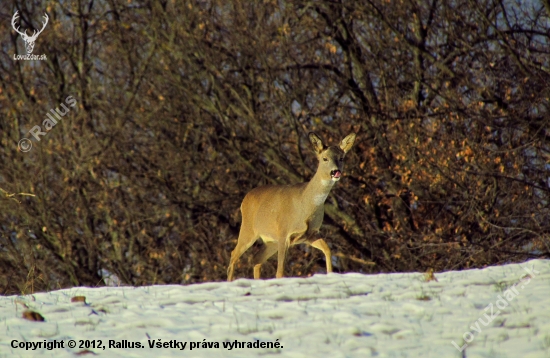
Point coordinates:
[(184, 106)]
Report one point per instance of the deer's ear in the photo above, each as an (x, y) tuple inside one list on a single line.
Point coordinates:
[(317, 142), (347, 142)]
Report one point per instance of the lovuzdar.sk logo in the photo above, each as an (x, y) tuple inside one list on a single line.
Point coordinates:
[(29, 40)]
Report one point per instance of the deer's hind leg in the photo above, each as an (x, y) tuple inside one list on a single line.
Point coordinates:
[(282, 247), (266, 252), (245, 240)]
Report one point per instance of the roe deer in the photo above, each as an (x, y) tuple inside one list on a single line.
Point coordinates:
[(286, 215)]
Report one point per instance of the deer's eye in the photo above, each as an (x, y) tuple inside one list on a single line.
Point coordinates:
[(341, 159), (325, 159)]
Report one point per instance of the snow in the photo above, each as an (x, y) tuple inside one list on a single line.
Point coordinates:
[(336, 315)]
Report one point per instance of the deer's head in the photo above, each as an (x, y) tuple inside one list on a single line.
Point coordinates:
[(331, 159), (29, 40)]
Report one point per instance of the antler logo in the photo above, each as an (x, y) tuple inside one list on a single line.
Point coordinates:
[(29, 40)]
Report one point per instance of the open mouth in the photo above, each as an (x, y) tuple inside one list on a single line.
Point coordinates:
[(335, 174)]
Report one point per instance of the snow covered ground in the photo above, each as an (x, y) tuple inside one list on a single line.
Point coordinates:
[(494, 312)]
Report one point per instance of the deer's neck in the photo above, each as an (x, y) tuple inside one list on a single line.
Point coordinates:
[(317, 190)]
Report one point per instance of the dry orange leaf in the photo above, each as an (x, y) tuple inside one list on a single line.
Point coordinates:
[(33, 316)]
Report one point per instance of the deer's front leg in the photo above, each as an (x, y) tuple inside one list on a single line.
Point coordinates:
[(282, 247), (322, 245)]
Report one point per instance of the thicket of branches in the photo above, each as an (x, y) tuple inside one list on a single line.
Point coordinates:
[(184, 106)]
